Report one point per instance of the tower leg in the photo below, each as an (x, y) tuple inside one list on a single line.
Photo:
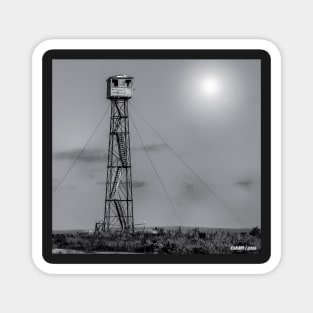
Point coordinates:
[(118, 212)]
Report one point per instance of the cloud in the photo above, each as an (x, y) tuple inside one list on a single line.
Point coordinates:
[(89, 155), (136, 183), (99, 155), (139, 184), (151, 147), (193, 191), (188, 188), (244, 183)]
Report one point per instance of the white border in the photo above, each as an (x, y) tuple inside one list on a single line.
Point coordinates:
[(152, 268)]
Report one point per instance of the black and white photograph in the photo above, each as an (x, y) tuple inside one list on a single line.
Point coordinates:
[(156, 156)]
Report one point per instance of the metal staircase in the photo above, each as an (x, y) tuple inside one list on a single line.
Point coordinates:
[(121, 149), (120, 213), (117, 203), (116, 182)]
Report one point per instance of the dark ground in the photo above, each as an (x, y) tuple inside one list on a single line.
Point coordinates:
[(159, 240)]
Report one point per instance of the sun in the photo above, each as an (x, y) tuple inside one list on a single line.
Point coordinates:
[(210, 86)]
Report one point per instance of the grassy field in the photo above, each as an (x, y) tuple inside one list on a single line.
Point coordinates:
[(160, 240)]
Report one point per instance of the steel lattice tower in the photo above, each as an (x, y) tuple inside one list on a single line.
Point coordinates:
[(118, 212)]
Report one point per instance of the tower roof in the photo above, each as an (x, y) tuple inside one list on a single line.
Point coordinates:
[(119, 76)]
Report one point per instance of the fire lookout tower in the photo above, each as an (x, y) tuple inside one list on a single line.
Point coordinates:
[(118, 212)]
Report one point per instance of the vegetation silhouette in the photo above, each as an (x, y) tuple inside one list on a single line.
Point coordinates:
[(160, 241)]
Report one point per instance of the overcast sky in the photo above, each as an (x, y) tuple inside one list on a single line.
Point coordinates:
[(207, 110)]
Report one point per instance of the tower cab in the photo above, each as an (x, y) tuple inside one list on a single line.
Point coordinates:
[(120, 86)]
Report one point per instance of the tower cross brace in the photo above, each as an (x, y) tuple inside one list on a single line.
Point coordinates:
[(118, 211)]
